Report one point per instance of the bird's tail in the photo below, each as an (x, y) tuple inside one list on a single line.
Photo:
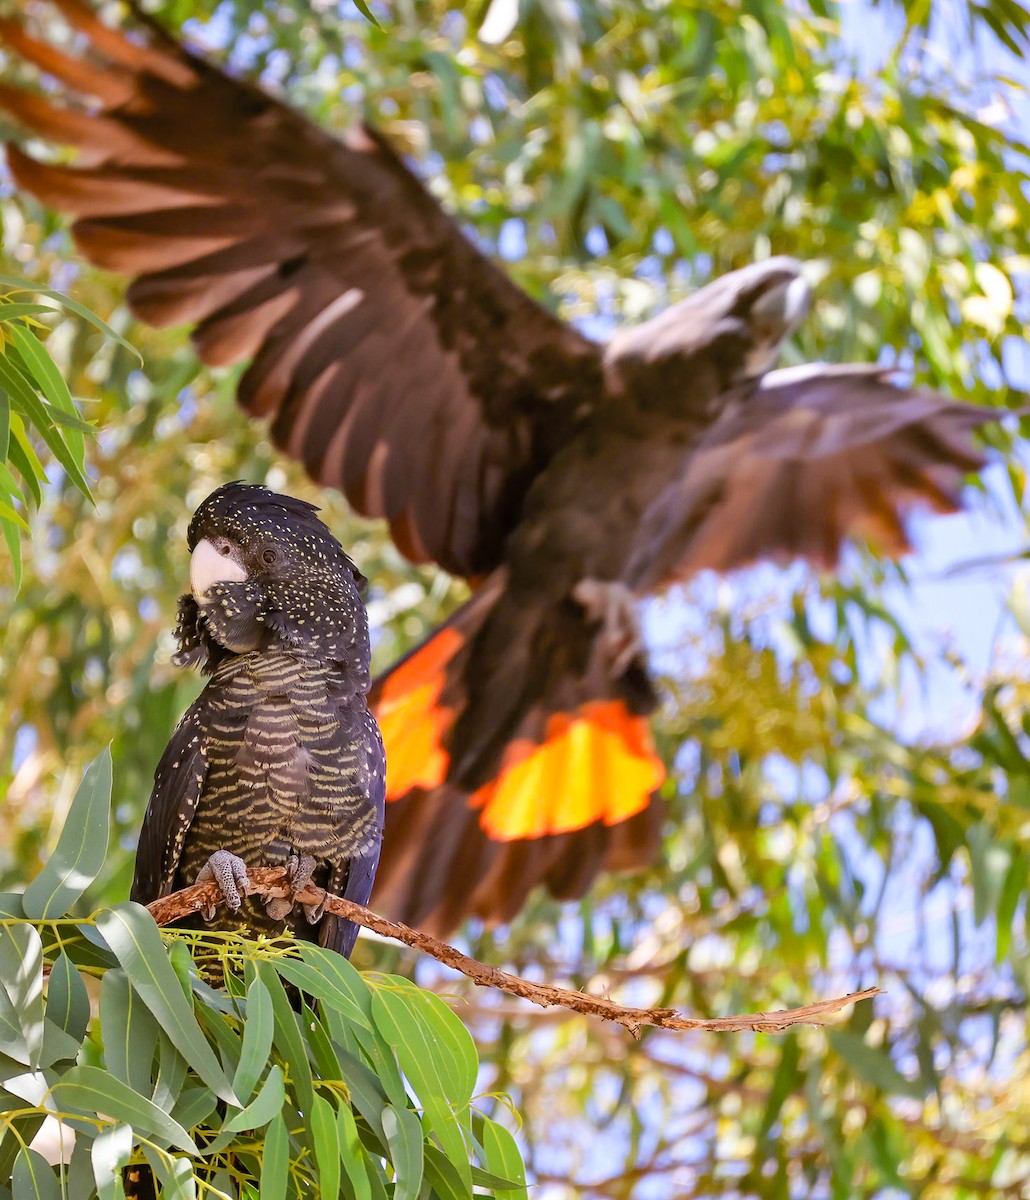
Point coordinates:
[(516, 755)]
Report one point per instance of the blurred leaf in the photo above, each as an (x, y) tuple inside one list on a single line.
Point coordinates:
[(872, 1064), (81, 848), (990, 865), (786, 1080)]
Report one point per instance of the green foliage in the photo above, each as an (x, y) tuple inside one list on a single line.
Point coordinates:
[(620, 153), (34, 398), (366, 1091)]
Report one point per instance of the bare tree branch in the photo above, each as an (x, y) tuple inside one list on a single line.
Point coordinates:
[(268, 881)]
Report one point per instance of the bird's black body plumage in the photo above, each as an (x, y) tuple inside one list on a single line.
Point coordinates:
[(279, 756)]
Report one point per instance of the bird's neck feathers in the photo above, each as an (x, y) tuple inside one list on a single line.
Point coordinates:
[(311, 618)]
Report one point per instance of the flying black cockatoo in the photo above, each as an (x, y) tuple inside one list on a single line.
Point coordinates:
[(562, 477), (279, 760)]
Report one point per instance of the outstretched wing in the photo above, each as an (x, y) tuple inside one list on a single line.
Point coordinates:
[(178, 784), (809, 456), (395, 360)]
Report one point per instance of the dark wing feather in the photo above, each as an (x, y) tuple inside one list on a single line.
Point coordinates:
[(178, 784), (395, 361), (353, 878), (797, 464)]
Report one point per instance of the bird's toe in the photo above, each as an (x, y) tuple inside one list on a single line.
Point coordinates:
[(315, 912), (299, 869), (229, 871), (279, 908)]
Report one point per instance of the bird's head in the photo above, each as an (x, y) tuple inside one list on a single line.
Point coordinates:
[(265, 572), (726, 333)]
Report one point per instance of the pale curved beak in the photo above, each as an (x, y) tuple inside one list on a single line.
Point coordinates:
[(208, 567)]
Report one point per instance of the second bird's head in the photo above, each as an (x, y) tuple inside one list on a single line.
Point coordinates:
[(266, 573)]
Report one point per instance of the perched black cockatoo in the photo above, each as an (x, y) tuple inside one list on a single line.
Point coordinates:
[(563, 478), (279, 760)]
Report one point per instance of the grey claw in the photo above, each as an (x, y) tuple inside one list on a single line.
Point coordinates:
[(229, 871), (278, 907), (315, 912), (299, 869)]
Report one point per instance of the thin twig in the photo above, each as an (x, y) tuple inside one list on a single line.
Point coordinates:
[(267, 881)]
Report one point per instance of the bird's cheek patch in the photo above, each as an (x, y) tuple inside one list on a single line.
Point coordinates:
[(208, 567)]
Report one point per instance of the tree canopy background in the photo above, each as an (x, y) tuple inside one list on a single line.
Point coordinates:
[(617, 155)]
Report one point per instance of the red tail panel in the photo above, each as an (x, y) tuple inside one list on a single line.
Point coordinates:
[(412, 720), (598, 764)]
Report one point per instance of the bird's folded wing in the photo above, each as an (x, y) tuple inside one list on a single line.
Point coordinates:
[(178, 783), (798, 463), (395, 360)]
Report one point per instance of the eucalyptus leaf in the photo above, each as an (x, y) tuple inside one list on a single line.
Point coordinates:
[(257, 1040), (325, 1136), (134, 938), (51, 383), (404, 1137), (435, 1050), (91, 1090), (67, 1001), (81, 848), (74, 306), (33, 1177), (21, 978), (287, 1037), (111, 1150), (179, 1182), (502, 1157), (130, 1032), (275, 1163), (265, 1105), (353, 1157)]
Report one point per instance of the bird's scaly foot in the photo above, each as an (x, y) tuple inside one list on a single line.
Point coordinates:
[(229, 871), (613, 606), (299, 869)]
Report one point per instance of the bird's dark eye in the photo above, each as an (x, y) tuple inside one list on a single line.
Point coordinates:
[(269, 557)]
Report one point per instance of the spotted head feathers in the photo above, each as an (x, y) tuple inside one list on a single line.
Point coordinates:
[(260, 521), (266, 574)]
